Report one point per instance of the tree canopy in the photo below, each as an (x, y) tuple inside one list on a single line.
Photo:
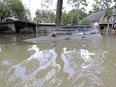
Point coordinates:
[(42, 16), (4, 10), (72, 16), (101, 5), (13, 8), (67, 17)]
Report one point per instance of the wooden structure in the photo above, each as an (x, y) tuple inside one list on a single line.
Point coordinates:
[(20, 25), (101, 19), (45, 27)]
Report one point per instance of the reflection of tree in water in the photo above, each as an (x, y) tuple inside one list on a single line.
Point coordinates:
[(56, 68)]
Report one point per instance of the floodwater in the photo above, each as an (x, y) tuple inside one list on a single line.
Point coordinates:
[(81, 63)]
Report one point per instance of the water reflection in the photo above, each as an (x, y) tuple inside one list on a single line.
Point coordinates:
[(38, 62), (83, 63), (87, 66), (67, 57)]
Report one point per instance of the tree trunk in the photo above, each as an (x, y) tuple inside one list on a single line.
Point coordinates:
[(59, 12)]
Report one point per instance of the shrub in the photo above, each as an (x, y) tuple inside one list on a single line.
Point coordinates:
[(86, 21)]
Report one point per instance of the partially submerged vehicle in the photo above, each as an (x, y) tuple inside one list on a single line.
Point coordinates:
[(72, 32), (75, 30)]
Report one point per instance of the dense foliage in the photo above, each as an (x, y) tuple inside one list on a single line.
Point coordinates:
[(77, 3), (42, 16), (73, 17), (4, 10), (101, 5), (13, 8), (67, 17), (85, 21)]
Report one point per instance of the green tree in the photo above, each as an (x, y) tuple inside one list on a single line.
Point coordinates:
[(108, 12), (40, 16), (51, 16), (68, 19), (18, 10), (48, 16), (65, 18), (98, 5), (45, 5), (76, 4), (4, 10), (27, 16), (45, 14), (114, 14), (101, 5), (13, 8), (86, 21), (59, 11)]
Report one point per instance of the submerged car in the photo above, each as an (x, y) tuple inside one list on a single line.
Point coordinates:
[(73, 32)]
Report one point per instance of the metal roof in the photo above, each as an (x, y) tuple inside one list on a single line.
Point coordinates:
[(95, 17)]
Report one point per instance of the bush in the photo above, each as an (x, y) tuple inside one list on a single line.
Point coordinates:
[(86, 21)]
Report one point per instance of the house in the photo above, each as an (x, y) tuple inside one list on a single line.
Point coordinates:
[(100, 18)]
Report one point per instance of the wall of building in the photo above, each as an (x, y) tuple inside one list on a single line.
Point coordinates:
[(12, 26), (44, 29)]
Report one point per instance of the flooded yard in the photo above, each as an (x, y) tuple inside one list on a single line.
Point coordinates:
[(81, 63)]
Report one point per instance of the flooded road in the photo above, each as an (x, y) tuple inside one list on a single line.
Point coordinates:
[(81, 63)]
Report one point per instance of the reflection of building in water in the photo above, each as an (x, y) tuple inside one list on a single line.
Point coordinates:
[(35, 65)]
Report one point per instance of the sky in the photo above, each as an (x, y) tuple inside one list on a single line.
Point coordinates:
[(33, 5)]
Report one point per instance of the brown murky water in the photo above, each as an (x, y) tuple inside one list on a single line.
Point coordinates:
[(83, 63)]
